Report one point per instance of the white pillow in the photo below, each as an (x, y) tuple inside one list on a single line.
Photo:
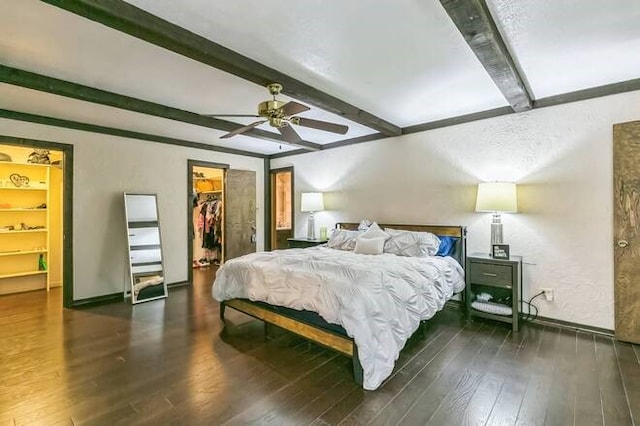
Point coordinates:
[(369, 245), (374, 231), (412, 244), (364, 224), (341, 239)]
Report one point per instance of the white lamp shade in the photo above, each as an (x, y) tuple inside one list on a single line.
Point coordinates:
[(497, 197), (312, 202)]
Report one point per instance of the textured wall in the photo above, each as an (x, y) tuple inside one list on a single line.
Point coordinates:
[(561, 158), (104, 168)]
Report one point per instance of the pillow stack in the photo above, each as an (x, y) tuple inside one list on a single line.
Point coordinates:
[(341, 239), (371, 241)]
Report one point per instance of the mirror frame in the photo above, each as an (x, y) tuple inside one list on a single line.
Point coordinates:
[(128, 289)]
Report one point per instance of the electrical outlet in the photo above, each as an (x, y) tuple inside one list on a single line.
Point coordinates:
[(548, 294)]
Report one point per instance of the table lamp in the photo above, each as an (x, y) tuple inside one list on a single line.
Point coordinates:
[(497, 197), (312, 202)]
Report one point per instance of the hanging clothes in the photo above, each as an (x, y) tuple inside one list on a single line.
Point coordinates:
[(209, 228)]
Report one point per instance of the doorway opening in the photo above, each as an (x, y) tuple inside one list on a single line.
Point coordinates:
[(206, 183), (35, 217), (282, 217)]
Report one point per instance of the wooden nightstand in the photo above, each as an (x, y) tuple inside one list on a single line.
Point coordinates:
[(303, 242), (499, 277)]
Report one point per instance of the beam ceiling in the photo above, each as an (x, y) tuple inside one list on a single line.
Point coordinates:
[(474, 21), (136, 22), (69, 124), (43, 83)]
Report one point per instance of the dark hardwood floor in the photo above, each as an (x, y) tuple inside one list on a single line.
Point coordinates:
[(174, 362)]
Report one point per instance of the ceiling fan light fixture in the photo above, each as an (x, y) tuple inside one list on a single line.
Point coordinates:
[(270, 108), (282, 115)]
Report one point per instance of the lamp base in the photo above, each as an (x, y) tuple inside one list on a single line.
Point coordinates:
[(311, 227), (496, 231)]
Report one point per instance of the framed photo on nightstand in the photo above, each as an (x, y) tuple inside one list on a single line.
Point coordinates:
[(500, 251)]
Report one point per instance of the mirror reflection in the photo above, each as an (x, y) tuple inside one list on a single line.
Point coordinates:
[(146, 268)]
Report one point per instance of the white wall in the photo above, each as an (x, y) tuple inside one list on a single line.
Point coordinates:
[(104, 168), (561, 158)]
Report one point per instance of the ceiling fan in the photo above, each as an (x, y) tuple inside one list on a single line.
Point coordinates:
[(282, 115)]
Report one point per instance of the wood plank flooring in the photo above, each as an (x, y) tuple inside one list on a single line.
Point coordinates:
[(174, 362)]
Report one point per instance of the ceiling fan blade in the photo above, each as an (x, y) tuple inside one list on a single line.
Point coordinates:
[(289, 135), (293, 108), (230, 115), (243, 129), (320, 125)]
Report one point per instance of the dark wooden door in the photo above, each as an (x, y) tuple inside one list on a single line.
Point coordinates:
[(282, 217), (239, 213), (626, 175)]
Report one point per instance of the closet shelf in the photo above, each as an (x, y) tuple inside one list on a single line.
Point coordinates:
[(23, 231), (12, 188), (23, 274), (13, 163), (19, 253), (209, 192), (20, 248), (23, 210)]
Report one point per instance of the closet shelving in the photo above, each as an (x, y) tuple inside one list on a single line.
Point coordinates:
[(204, 256), (21, 249), (24, 231), (23, 210)]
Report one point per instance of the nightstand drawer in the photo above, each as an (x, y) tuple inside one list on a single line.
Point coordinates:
[(491, 274)]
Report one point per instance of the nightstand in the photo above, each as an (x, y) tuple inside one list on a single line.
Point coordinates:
[(303, 242), (501, 278)]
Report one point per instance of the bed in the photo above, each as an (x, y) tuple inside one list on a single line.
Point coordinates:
[(363, 306)]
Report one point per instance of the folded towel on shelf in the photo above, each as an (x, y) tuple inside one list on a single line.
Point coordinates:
[(492, 308)]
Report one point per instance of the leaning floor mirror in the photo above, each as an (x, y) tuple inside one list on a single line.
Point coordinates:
[(146, 266)]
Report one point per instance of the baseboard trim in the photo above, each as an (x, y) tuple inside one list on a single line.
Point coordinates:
[(572, 326), (113, 297), (177, 284), (545, 321), (98, 300)]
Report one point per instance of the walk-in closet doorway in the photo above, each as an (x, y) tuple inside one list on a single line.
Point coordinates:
[(206, 214), (36, 217), (221, 214)]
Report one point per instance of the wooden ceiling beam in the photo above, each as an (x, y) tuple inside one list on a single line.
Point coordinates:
[(474, 21), (18, 77), (112, 131), (136, 22)]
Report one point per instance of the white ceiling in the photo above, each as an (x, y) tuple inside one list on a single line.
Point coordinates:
[(47, 40), (402, 60), (568, 45), (40, 103)]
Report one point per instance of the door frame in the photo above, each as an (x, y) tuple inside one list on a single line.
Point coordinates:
[(67, 206), (272, 203), (190, 165)]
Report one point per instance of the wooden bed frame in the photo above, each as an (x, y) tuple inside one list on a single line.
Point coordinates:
[(329, 338)]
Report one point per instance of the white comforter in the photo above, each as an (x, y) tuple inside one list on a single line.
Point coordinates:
[(378, 300)]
